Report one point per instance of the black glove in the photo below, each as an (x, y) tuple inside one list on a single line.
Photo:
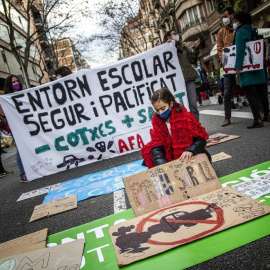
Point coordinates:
[(197, 146), (158, 154)]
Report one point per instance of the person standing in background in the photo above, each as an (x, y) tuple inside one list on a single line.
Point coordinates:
[(12, 84), (225, 38), (186, 59), (252, 81)]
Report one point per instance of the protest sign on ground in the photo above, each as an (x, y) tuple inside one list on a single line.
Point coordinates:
[(220, 156), (67, 256), (181, 223), (37, 192), (26, 243), (95, 184), (220, 138), (99, 252), (255, 188), (170, 183), (54, 207)]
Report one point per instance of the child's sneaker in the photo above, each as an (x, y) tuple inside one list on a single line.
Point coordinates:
[(23, 179), (237, 107), (245, 104)]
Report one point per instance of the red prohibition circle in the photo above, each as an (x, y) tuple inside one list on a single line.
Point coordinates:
[(257, 47), (219, 222)]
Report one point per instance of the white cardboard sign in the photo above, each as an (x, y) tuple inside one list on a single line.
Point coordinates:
[(253, 57)]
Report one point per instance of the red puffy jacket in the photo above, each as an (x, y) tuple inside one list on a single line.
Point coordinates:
[(184, 127)]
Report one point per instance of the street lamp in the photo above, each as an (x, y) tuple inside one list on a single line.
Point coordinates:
[(22, 67)]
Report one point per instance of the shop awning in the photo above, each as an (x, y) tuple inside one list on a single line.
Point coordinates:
[(265, 32), (214, 50)]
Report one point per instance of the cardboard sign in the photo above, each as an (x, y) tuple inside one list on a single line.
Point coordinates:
[(92, 114), (182, 223), (99, 252), (219, 138), (26, 243), (54, 207), (67, 256), (170, 183), (253, 59), (220, 156)]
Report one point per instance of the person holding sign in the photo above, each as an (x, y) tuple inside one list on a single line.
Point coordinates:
[(252, 81), (186, 59), (225, 38), (12, 84), (176, 132)]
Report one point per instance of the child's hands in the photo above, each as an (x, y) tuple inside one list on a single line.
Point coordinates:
[(186, 156)]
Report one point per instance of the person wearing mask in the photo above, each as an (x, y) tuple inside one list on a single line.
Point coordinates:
[(225, 38), (187, 58), (62, 71), (176, 133), (252, 81), (12, 84)]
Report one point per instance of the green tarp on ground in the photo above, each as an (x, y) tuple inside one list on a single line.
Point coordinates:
[(99, 252)]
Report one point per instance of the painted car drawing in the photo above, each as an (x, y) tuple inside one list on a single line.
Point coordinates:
[(70, 160)]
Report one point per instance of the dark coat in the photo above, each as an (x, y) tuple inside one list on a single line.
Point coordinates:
[(186, 58), (243, 35)]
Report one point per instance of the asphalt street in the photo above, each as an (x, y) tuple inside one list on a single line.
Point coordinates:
[(252, 148)]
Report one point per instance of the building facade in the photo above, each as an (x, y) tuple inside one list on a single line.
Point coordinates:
[(9, 63), (67, 55), (136, 36), (198, 18)]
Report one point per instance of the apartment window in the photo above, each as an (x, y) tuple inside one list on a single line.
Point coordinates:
[(214, 35), (4, 59), (184, 20), (195, 12), (211, 5), (191, 16)]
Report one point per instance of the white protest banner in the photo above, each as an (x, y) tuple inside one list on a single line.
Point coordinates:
[(253, 57), (92, 114)]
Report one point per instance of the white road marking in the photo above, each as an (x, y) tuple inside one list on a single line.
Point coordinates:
[(119, 201), (247, 115)]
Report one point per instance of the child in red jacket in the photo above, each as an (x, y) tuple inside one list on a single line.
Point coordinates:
[(176, 132)]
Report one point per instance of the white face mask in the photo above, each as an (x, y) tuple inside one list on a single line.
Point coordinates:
[(235, 25), (176, 37), (226, 21)]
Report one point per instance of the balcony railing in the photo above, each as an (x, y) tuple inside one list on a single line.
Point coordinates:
[(164, 17), (170, 8), (192, 23)]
